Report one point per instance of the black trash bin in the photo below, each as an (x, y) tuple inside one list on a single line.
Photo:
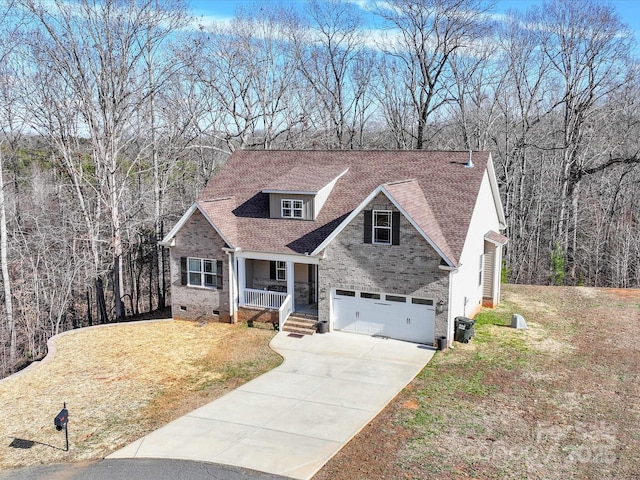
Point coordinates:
[(464, 329)]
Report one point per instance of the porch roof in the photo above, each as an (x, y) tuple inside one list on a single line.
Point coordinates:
[(496, 238)]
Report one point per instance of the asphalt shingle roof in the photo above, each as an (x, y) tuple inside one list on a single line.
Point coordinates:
[(410, 197), (440, 195), (305, 178)]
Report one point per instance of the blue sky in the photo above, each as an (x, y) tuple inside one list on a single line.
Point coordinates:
[(629, 10)]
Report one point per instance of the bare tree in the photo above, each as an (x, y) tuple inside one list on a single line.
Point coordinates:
[(95, 50), (338, 70), (6, 279), (424, 35), (588, 49), (519, 142), (247, 78), (475, 91), (10, 128)]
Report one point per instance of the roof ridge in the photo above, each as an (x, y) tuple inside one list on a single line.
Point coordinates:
[(398, 182), (217, 199)]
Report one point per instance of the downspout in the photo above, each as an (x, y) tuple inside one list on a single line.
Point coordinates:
[(450, 302), (450, 332)]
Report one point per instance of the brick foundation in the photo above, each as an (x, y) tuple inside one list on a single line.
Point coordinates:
[(257, 315)]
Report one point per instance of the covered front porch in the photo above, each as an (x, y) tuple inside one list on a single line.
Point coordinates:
[(281, 285)]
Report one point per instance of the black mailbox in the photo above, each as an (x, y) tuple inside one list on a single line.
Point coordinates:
[(62, 419)]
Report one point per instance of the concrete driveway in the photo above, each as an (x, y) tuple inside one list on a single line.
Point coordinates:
[(293, 419)]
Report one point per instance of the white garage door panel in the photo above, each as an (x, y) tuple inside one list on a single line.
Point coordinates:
[(354, 318), (412, 323), (377, 316)]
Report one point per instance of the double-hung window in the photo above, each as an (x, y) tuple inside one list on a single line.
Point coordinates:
[(278, 271), (203, 272), (291, 208), (382, 227), (281, 271)]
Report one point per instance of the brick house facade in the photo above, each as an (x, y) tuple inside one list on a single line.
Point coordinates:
[(197, 239), (385, 243)]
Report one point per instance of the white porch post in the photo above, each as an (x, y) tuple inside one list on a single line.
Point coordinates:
[(497, 273), (233, 301), (291, 284), (242, 283)]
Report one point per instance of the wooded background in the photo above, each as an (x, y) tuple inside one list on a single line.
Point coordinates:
[(115, 113)]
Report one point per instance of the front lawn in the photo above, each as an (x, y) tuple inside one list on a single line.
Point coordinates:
[(122, 382)]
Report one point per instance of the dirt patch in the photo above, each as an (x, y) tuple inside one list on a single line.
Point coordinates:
[(627, 293), (558, 401), (411, 404), (122, 382)]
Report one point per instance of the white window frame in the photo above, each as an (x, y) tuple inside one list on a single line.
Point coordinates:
[(202, 272), (281, 271), (375, 227), (291, 208)]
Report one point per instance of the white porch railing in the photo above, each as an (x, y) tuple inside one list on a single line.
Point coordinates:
[(284, 311), (263, 298)]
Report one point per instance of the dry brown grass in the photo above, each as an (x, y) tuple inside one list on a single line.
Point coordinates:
[(121, 382)]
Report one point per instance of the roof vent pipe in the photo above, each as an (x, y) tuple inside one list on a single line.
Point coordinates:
[(469, 164)]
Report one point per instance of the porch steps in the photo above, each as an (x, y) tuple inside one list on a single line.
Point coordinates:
[(298, 324)]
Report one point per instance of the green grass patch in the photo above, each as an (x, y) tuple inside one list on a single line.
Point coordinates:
[(462, 376), (499, 316)]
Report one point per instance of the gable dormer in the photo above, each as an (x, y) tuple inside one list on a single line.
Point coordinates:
[(301, 193)]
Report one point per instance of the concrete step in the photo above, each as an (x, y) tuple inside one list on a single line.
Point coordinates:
[(299, 325), (305, 316)]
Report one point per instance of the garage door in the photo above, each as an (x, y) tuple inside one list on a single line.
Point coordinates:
[(389, 315)]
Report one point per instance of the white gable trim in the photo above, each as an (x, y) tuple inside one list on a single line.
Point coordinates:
[(495, 190), (168, 240), (323, 194), (362, 206)]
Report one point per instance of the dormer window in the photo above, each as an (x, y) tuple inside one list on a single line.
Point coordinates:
[(301, 192), (290, 208)]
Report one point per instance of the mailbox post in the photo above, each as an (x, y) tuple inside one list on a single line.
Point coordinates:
[(61, 421)]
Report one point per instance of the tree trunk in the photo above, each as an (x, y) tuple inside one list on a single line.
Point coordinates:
[(117, 291), (101, 305), (89, 308), (6, 280)]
